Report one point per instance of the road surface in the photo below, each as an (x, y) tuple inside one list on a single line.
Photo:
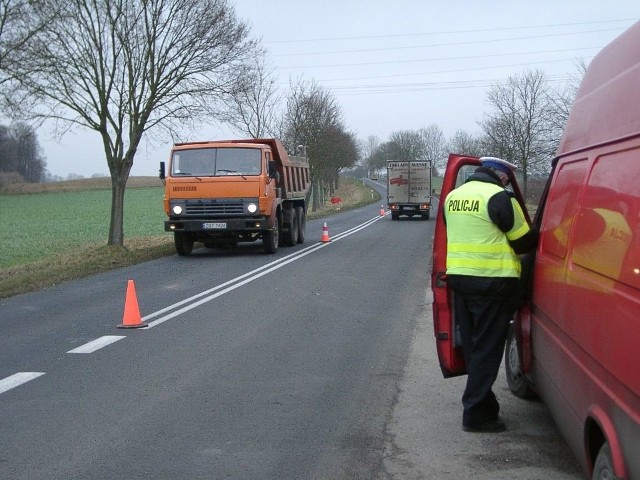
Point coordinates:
[(314, 363)]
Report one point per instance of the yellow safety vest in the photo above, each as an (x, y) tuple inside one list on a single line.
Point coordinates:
[(475, 245)]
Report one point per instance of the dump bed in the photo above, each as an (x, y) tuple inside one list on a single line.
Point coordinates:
[(294, 170)]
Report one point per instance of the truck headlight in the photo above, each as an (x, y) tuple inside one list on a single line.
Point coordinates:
[(177, 209), (252, 207)]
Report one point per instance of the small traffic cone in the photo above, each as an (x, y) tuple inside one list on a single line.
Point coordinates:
[(325, 233), (131, 317), (382, 210)]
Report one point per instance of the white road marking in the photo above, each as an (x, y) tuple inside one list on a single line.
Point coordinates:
[(97, 344), (244, 279), (17, 379), (90, 347)]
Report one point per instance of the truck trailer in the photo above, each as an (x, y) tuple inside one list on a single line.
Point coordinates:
[(220, 193), (409, 188)]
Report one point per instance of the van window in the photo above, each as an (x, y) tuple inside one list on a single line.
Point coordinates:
[(608, 219), (561, 209)]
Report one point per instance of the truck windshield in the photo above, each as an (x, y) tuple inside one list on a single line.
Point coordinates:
[(209, 162)]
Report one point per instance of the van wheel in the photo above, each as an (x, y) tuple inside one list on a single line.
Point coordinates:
[(517, 381), (603, 468), (184, 243), (302, 223), (271, 237)]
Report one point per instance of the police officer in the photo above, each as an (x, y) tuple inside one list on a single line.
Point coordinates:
[(486, 230)]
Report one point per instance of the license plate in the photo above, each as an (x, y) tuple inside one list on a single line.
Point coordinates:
[(214, 225)]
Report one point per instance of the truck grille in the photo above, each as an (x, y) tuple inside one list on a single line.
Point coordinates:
[(211, 207)]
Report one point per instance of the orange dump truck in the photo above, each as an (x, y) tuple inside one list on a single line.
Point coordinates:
[(224, 192)]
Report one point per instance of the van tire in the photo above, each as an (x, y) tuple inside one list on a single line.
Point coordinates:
[(271, 237), (603, 467), (517, 381), (183, 242)]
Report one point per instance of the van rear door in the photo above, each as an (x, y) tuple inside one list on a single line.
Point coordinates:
[(459, 168)]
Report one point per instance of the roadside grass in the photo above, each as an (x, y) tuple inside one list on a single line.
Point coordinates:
[(60, 234), (38, 226)]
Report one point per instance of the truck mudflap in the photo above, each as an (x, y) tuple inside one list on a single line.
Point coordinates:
[(217, 225)]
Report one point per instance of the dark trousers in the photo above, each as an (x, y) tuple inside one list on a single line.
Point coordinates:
[(483, 308)]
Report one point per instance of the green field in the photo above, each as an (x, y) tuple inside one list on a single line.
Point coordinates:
[(58, 232), (41, 225)]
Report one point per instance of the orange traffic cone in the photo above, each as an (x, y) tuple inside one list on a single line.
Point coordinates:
[(382, 210), (325, 233), (131, 317)]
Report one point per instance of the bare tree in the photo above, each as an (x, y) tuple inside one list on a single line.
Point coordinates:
[(519, 128), (406, 145), (251, 107), (30, 162), (311, 114), (20, 152), (367, 149), (338, 149), (561, 100), (384, 152), (465, 143), (17, 26), (434, 146), (123, 67)]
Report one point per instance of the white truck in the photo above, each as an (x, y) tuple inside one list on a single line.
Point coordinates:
[(409, 188)]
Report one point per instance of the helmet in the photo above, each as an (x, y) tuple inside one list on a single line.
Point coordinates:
[(498, 164)]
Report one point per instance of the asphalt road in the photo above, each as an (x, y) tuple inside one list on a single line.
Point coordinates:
[(314, 363)]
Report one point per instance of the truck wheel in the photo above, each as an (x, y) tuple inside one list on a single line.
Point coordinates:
[(271, 237), (425, 216), (302, 223), (517, 381), (184, 243), (395, 215), (291, 235), (603, 468)]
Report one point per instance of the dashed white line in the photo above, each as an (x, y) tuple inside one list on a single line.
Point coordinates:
[(17, 379), (96, 344)]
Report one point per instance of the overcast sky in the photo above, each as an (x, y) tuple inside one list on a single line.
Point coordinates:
[(396, 65)]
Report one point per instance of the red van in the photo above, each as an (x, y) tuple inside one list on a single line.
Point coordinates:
[(575, 342)]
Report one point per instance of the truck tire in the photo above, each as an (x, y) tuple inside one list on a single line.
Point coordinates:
[(426, 216), (395, 215), (516, 380), (291, 234), (184, 243), (271, 237), (302, 223)]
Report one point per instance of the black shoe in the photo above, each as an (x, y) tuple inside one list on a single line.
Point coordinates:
[(491, 426)]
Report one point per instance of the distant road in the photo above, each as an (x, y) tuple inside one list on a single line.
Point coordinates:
[(314, 363)]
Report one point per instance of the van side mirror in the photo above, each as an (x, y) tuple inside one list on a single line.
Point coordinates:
[(162, 172)]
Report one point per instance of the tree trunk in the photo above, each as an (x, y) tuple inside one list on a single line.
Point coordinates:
[(116, 225)]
